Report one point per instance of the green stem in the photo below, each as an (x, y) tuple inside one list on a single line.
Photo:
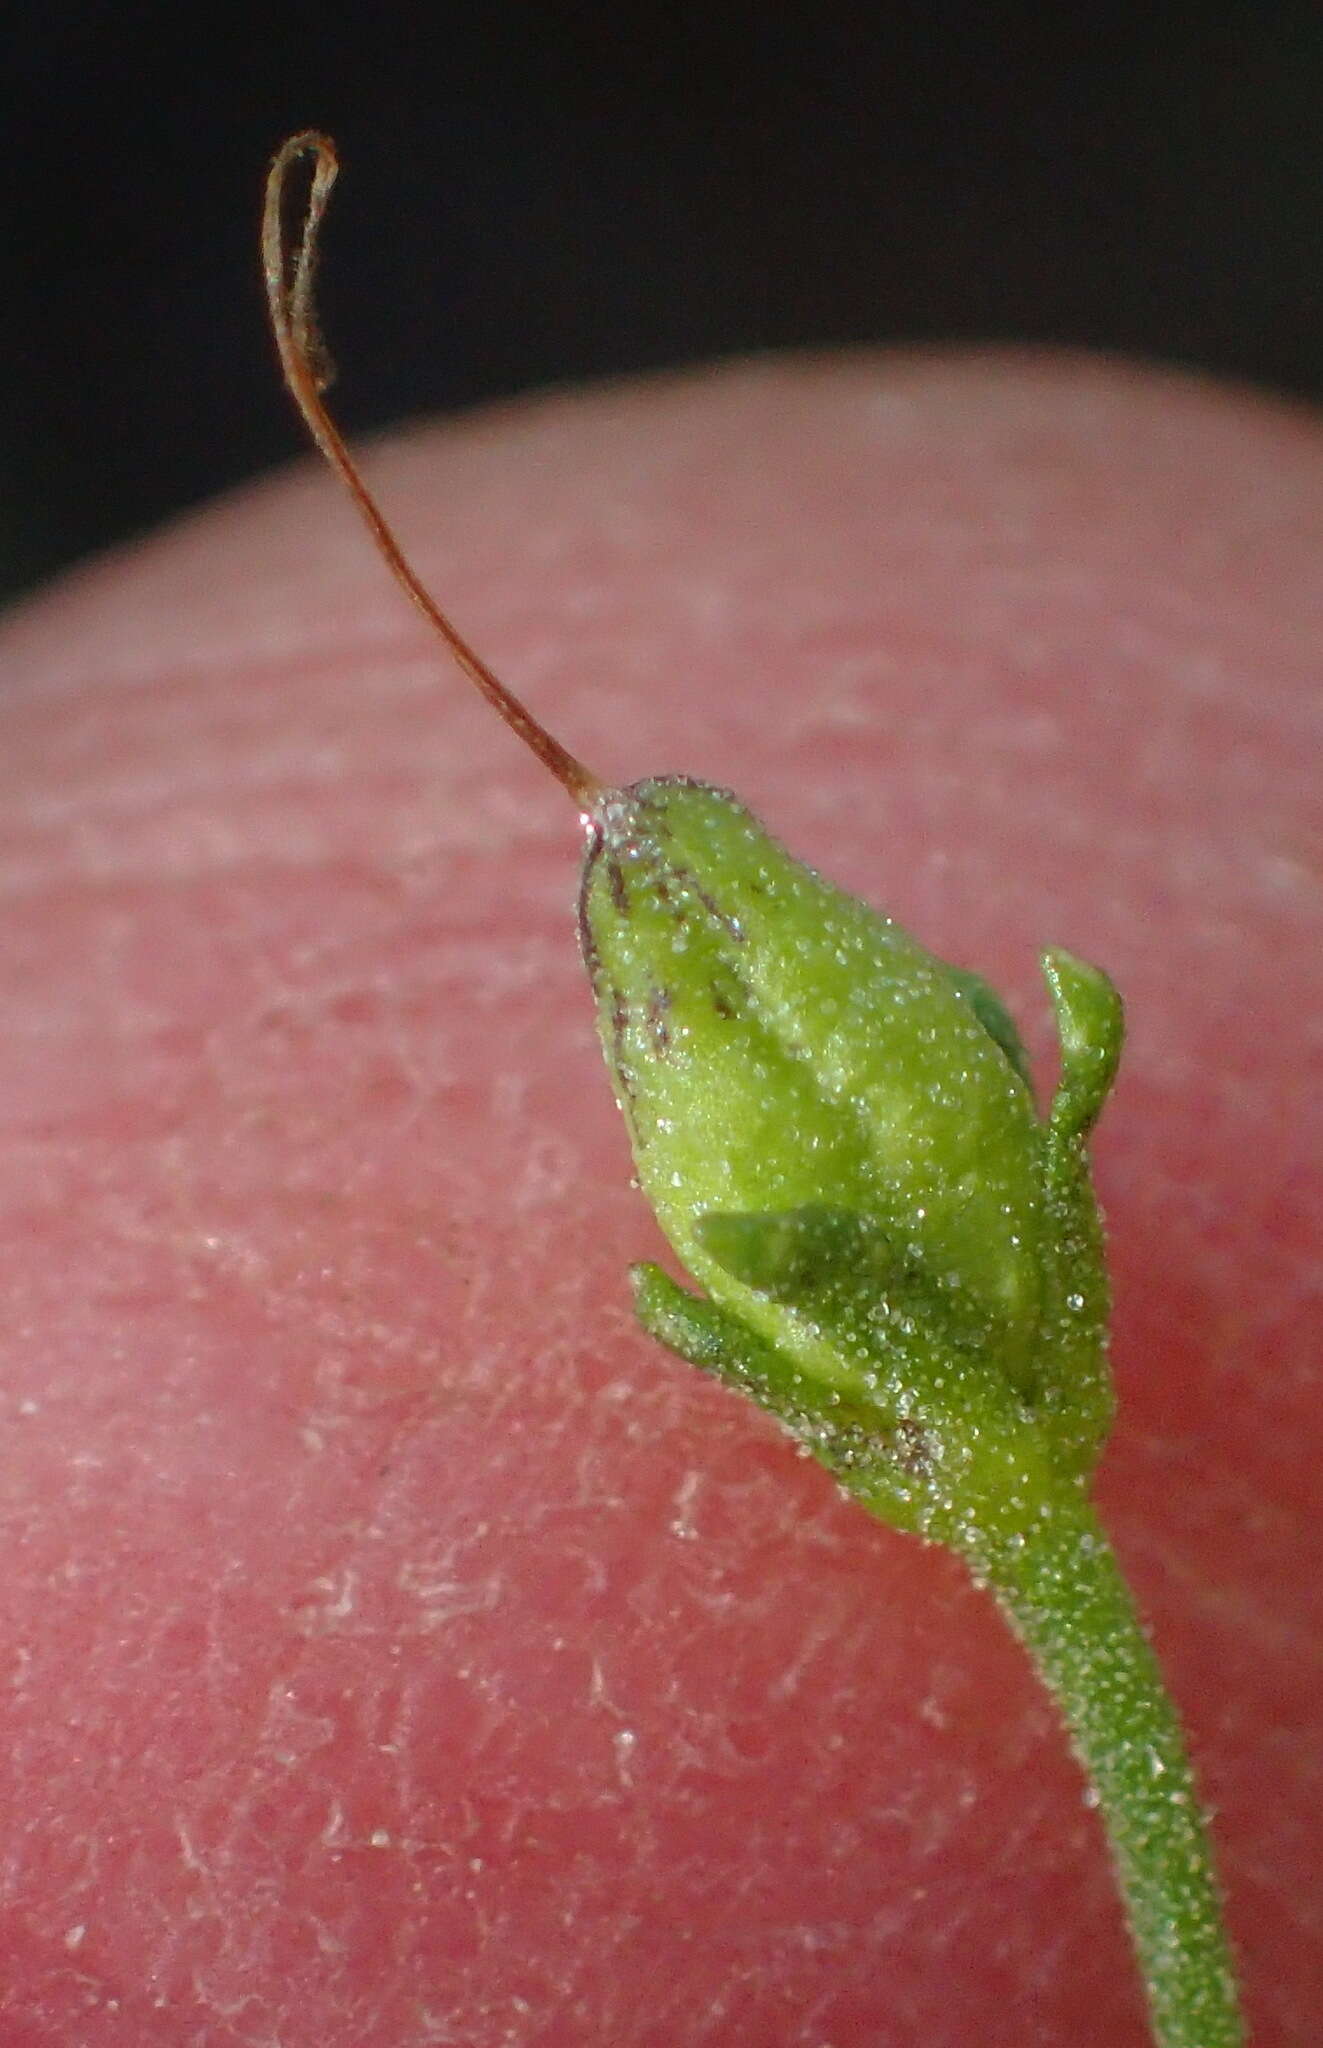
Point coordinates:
[(1064, 1594)]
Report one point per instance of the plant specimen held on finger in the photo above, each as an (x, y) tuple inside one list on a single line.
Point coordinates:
[(893, 1251)]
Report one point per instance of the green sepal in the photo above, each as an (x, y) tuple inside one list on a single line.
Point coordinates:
[(897, 1325), (1091, 1027), (1075, 1399), (850, 1438), (791, 1253), (707, 1336), (936, 1447), (995, 1018)]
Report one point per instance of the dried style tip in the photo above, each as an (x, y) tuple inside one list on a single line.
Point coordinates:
[(290, 289)]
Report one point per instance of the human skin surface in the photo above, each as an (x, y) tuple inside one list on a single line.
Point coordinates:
[(400, 1648)]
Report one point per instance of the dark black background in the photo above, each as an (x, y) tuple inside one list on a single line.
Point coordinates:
[(540, 193)]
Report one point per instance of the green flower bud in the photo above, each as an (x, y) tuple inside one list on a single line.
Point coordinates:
[(838, 1136)]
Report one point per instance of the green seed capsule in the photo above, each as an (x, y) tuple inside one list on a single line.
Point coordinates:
[(837, 1135)]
